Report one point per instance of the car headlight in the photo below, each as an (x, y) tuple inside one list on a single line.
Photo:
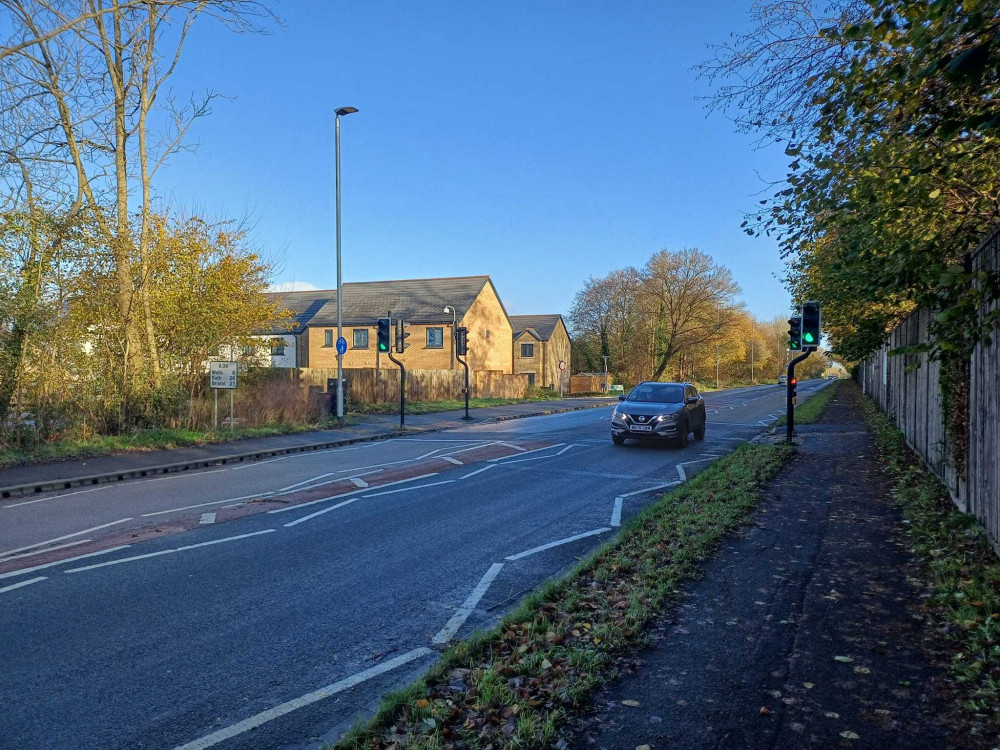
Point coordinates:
[(616, 417), (666, 418)]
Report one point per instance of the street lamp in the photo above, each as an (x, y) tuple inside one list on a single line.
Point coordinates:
[(340, 112), (454, 322)]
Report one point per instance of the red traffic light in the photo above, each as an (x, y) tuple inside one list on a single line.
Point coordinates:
[(795, 381)]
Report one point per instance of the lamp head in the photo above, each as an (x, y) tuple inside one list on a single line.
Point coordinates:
[(345, 111)]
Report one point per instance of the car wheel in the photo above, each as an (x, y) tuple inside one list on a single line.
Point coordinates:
[(682, 436), (699, 432), (617, 440)]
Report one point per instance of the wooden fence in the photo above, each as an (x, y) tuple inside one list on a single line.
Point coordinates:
[(368, 386), (908, 391)]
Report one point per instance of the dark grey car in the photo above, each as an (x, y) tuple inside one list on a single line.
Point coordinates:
[(659, 411)]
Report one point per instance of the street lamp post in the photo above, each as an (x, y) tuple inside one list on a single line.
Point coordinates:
[(340, 112), (454, 324)]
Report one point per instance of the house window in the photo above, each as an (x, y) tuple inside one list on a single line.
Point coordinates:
[(328, 337), (435, 338), (247, 350), (360, 338), (527, 351), (278, 348), (531, 375)]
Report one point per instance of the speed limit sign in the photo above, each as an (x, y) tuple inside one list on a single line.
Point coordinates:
[(562, 365)]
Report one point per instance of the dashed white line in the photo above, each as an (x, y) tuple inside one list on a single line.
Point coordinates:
[(512, 445), (207, 518), (649, 489), (451, 460), (616, 514), (558, 543), (462, 613), (317, 695), (571, 445), (306, 481), (681, 473), (258, 496), (358, 482), (65, 536), (297, 521), (22, 571), (169, 551), (22, 583), (478, 471)]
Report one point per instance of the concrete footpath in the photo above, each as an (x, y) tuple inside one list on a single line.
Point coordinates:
[(806, 630), (57, 474)]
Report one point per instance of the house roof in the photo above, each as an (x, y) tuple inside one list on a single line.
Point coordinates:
[(539, 326), (416, 300)]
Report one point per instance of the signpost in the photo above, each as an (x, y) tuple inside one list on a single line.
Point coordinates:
[(222, 376), (341, 346), (562, 367)]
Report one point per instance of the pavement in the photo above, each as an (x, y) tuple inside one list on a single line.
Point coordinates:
[(806, 630), (364, 427), (270, 604)]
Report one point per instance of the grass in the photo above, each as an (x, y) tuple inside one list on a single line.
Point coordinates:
[(143, 440), (513, 686), (810, 410), (964, 569), (451, 404)]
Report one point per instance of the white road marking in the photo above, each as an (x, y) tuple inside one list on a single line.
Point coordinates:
[(22, 571), (297, 521), (407, 489), (53, 497), (462, 613), (649, 489), (681, 473), (523, 460), (451, 460), (427, 455), (616, 514), (558, 543), (536, 450), (354, 473), (571, 445), (478, 471), (358, 482), (65, 536), (348, 494), (45, 549), (169, 551), (23, 583), (472, 448), (205, 505), (317, 695), (306, 481), (512, 445), (207, 518)]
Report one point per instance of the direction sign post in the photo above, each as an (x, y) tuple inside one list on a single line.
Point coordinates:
[(222, 376), (562, 367)]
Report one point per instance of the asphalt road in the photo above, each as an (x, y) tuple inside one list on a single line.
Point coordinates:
[(275, 622)]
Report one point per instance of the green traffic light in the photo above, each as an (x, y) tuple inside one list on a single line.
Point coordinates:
[(808, 337), (383, 348)]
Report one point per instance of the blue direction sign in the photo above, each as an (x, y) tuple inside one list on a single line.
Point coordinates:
[(341, 345)]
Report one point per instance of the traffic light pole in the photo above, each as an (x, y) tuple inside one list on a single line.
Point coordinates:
[(402, 388), (789, 398), (466, 366)]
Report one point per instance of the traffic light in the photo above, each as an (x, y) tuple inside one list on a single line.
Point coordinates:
[(810, 324), (795, 333), (401, 335), (461, 341), (791, 387), (384, 324)]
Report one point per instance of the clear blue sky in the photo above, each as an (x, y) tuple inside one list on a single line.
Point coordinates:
[(536, 142)]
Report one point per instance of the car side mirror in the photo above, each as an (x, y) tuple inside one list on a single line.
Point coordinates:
[(621, 397), (692, 399)]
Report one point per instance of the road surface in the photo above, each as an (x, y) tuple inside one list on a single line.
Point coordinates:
[(266, 605)]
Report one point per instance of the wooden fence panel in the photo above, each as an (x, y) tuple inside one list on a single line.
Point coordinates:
[(368, 386), (907, 389)]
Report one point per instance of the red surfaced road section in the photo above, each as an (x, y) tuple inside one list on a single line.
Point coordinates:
[(142, 530)]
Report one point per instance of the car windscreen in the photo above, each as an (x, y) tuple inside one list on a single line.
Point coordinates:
[(655, 393)]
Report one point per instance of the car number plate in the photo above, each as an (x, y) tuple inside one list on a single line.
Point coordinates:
[(642, 428)]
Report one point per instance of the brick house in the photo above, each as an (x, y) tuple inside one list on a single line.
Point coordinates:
[(420, 302), (541, 342)]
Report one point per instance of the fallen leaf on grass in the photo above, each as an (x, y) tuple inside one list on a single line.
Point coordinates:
[(631, 703), (643, 747), (844, 659), (832, 715), (847, 734), (765, 711), (862, 670), (808, 685)]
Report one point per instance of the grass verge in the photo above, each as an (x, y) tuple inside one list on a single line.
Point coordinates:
[(964, 568), (144, 440), (512, 686), (810, 410), (451, 404)]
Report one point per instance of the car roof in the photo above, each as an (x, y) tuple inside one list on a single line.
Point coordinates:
[(659, 382)]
